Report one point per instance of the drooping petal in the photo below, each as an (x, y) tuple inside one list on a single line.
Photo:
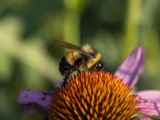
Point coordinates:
[(32, 101), (149, 102), (130, 70)]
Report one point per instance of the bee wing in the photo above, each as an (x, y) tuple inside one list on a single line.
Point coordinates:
[(73, 47)]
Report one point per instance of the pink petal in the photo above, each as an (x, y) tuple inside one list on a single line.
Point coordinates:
[(131, 68), (150, 108), (149, 95), (150, 102), (32, 101)]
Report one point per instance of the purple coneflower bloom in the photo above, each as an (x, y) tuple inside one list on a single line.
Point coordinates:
[(146, 102)]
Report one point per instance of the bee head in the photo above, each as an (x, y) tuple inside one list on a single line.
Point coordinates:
[(98, 66)]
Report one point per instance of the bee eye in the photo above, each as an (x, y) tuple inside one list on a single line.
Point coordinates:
[(99, 65)]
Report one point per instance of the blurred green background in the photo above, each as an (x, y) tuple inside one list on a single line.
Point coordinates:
[(29, 58)]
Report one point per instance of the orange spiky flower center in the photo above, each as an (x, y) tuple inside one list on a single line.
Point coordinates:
[(91, 96)]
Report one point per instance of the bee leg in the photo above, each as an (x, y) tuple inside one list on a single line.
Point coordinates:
[(66, 77), (86, 67)]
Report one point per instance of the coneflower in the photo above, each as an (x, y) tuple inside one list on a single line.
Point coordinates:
[(91, 96), (97, 95)]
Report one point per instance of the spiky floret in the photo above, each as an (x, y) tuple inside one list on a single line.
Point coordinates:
[(91, 96)]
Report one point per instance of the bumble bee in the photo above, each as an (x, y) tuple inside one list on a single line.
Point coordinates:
[(77, 58)]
